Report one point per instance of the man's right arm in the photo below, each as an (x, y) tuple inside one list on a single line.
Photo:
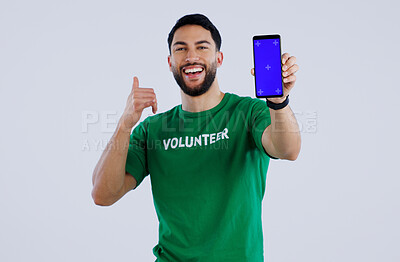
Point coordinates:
[(110, 180)]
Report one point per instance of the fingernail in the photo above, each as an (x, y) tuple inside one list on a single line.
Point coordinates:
[(284, 67)]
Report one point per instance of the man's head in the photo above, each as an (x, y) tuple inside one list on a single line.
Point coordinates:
[(196, 19), (194, 44)]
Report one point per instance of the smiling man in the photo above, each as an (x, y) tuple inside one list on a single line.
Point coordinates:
[(207, 158), (194, 73)]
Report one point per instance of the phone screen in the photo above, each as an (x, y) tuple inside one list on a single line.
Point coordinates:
[(268, 66)]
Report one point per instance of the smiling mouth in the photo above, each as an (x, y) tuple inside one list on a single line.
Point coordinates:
[(193, 71)]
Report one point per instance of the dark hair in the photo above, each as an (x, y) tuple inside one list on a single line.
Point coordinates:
[(196, 19)]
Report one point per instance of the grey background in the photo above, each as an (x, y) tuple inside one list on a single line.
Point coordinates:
[(63, 61)]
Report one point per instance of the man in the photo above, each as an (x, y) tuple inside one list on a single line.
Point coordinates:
[(207, 158)]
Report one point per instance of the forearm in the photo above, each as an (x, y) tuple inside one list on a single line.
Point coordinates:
[(109, 173), (285, 133)]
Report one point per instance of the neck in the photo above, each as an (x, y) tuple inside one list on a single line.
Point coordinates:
[(204, 102)]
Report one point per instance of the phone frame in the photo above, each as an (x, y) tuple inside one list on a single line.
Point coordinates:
[(261, 37)]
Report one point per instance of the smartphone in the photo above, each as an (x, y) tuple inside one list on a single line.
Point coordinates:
[(268, 66)]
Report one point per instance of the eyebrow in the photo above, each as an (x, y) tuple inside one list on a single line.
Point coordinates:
[(197, 43)]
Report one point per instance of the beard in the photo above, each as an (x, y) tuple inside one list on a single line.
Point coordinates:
[(200, 89)]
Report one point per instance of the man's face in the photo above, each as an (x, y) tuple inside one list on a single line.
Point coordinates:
[(194, 59)]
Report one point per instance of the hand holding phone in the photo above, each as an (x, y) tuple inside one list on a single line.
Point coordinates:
[(268, 66)]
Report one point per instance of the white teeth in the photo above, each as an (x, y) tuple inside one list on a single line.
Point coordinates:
[(193, 70)]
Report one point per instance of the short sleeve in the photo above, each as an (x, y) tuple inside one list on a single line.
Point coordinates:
[(260, 120), (136, 160)]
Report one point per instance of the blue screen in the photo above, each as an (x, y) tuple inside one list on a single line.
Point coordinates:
[(267, 63)]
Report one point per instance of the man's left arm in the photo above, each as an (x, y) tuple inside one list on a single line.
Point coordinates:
[(282, 138)]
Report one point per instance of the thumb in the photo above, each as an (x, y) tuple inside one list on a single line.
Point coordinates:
[(252, 71), (135, 83)]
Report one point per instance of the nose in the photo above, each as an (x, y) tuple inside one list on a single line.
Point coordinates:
[(191, 56)]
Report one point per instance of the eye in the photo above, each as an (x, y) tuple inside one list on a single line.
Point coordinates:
[(179, 49), (203, 47)]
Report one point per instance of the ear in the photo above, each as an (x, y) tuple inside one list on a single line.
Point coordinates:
[(220, 58), (169, 63)]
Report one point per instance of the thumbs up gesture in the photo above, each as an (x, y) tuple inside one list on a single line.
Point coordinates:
[(138, 99)]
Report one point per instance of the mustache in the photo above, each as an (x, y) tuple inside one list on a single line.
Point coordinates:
[(193, 64)]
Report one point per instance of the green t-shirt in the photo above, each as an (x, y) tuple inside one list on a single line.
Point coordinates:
[(208, 175)]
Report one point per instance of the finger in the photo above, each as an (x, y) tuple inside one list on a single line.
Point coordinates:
[(289, 79), (252, 71), (154, 106), (145, 89), (135, 83), (285, 57), (139, 92), (142, 104), (144, 96), (290, 62), (293, 69)]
